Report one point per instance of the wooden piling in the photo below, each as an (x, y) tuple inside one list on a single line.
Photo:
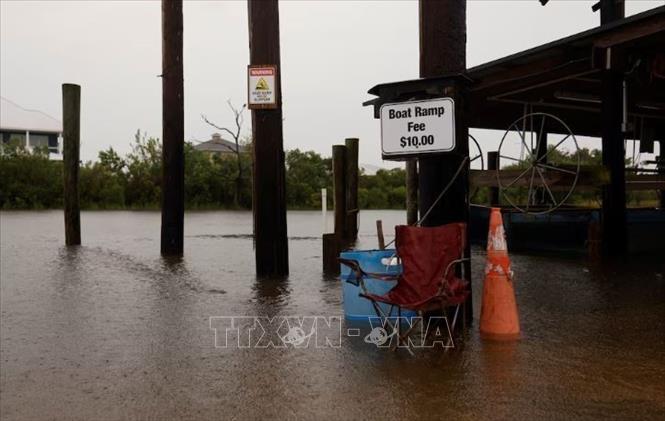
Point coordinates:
[(71, 129), (351, 182), (611, 10), (269, 174), (411, 191), (613, 212), (379, 233), (339, 190), (443, 51), (173, 130), (331, 250)]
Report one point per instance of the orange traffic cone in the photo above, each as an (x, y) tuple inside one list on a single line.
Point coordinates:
[(498, 314)]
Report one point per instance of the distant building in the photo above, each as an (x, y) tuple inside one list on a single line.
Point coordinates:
[(219, 146), (30, 128)]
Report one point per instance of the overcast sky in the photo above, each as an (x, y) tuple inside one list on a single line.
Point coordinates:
[(332, 53)]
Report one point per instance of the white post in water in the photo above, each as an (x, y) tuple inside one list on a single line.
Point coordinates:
[(324, 209)]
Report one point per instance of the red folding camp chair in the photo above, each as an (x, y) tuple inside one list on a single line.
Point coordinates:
[(428, 283)]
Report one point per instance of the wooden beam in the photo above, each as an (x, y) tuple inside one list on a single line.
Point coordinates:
[(655, 26), (532, 73), (589, 179), (556, 180)]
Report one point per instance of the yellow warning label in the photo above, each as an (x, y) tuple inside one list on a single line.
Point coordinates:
[(262, 85)]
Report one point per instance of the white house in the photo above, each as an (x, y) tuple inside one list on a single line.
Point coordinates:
[(32, 128)]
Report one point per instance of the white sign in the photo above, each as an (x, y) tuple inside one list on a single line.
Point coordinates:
[(417, 127), (261, 89)]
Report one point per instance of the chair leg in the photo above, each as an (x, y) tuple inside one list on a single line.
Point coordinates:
[(404, 338), (398, 323), (451, 328), (432, 326), (382, 315)]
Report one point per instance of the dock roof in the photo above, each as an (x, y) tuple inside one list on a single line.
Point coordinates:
[(562, 77)]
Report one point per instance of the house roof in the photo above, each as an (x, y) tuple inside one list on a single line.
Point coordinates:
[(15, 117), (218, 144)]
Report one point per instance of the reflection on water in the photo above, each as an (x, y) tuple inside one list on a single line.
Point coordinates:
[(112, 330)]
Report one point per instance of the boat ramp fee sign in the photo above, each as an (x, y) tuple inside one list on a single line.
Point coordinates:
[(417, 127), (261, 88)]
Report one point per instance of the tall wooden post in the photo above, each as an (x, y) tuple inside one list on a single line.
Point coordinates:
[(443, 51), (269, 175), (339, 190), (492, 165), (351, 189), (613, 213), (611, 10), (411, 191), (71, 129), (173, 131)]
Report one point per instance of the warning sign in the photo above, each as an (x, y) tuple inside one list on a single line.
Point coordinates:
[(261, 88), (262, 85)]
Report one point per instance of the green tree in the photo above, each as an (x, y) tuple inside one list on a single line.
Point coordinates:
[(306, 174), (29, 180), (144, 172)]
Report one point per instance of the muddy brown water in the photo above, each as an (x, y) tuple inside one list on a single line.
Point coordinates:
[(110, 330)]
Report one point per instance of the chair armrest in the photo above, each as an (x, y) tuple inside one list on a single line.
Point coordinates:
[(450, 266), (357, 274), (453, 263)]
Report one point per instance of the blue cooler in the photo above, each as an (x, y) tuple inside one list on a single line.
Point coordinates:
[(371, 261)]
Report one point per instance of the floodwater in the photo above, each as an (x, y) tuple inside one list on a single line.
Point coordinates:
[(109, 330)]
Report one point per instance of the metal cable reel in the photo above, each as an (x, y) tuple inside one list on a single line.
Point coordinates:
[(475, 154), (538, 178)]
